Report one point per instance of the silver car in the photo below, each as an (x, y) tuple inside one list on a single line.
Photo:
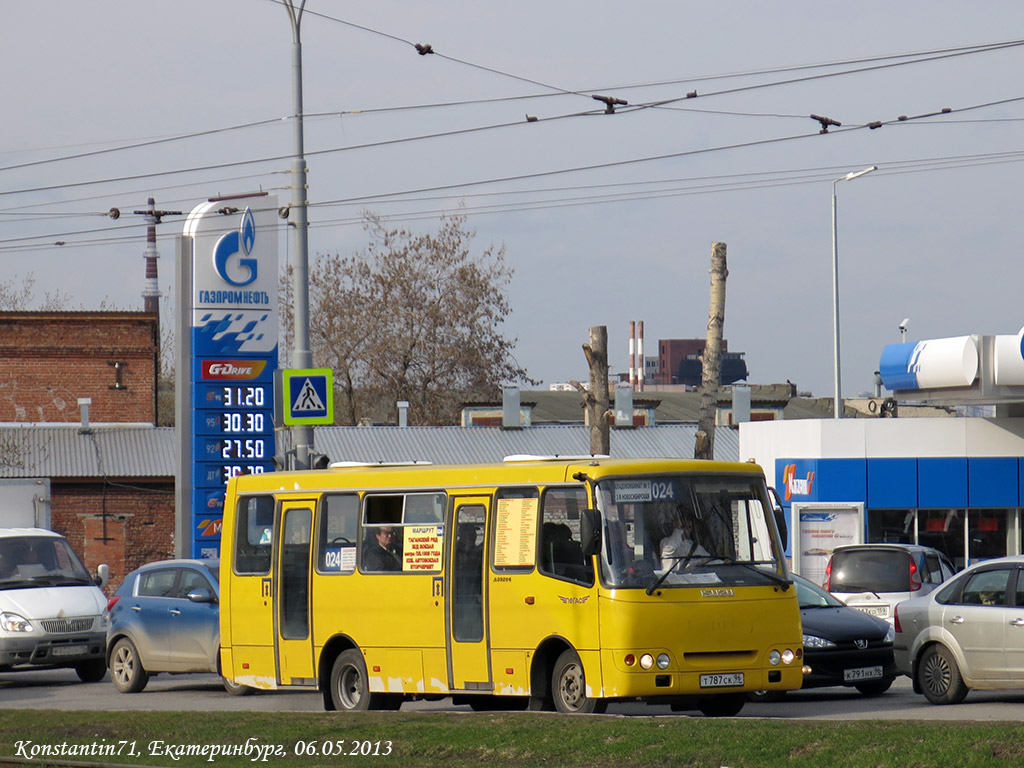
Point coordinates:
[(967, 634), (873, 578), (165, 617)]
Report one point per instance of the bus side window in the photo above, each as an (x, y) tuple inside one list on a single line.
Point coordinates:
[(515, 530), (254, 534), (339, 534), (561, 554)]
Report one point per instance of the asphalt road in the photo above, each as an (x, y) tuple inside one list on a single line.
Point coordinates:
[(60, 689)]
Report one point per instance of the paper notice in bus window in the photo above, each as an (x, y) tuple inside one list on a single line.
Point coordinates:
[(632, 491), (515, 533), (421, 549)]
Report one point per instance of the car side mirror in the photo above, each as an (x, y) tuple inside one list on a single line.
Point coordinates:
[(102, 575), (201, 595), (590, 532)]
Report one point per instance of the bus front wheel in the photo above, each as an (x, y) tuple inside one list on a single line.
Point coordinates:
[(350, 690), (569, 686)]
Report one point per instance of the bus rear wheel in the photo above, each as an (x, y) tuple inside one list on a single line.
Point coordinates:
[(569, 687), (350, 690)]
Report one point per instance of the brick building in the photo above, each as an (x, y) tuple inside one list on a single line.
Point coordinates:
[(48, 360), (107, 480)]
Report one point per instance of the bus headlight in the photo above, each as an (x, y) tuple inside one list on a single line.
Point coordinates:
[(788, 656), (774, 657), (662, 661), (646, 661)]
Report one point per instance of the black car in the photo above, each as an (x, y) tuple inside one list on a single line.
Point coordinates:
[(842, 646)]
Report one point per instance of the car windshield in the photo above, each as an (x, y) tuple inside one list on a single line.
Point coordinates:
[(39, 561), (811, 595), (870, 570), (687, 530)]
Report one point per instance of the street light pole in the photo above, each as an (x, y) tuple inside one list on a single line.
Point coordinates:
[(837, 403), (302, 356)]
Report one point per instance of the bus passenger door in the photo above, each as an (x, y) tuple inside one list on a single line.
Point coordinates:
[(291, 609), (468, 658)]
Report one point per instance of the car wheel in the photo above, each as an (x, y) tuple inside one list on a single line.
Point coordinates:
[(236, 689), (126, 670), (722, 705), (350, 690), (765, 697), (874, 688), (91, 671), (939, 676), (569, 687)]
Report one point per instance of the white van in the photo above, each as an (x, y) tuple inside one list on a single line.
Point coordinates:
[(52, 612)]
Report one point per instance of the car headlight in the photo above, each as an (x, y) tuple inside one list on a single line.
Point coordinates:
[(890, 634), (813, 641), (12, 622)]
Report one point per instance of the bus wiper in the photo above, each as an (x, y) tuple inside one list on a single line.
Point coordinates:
[(661, 579), (770, 574), (751, 566), (675, 562)]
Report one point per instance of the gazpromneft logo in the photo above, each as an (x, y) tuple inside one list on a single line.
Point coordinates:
[(794, 485), (220, 370)]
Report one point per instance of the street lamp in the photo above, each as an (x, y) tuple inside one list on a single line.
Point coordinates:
[(302, 357), (837, 403)]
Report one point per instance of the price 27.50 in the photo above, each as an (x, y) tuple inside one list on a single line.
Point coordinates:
[(243, 448)]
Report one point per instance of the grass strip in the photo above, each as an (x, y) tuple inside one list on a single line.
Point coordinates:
[(497, 740)]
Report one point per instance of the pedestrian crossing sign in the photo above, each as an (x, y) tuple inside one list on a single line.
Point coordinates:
[(308, 396)]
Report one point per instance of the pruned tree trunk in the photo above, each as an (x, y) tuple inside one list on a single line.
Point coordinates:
[(711, 362), (595, 399)]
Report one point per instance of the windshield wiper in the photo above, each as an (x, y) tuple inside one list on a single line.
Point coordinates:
[(675, 562), (658, 582)]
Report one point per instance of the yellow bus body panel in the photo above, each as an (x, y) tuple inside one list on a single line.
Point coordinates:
[(398, 621)]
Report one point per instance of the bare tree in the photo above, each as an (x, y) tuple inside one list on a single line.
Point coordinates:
[(711, 362), (413, 317), (22, 296), (595, 396)]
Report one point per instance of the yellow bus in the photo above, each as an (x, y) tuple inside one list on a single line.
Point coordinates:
[(559, 584)]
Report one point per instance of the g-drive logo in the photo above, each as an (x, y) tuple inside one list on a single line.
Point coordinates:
[(796, 486), (239, 242)]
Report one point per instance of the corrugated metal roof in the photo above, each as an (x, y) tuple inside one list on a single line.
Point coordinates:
[(458, 445), (64, 451), (110, 450)]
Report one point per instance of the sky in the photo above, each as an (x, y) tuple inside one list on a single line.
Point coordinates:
[(605, 218)]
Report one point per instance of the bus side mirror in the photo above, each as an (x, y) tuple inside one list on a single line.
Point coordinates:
[(780, 516), (590, 533)]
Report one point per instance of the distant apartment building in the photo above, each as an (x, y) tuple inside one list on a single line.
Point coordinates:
[(679, 363)]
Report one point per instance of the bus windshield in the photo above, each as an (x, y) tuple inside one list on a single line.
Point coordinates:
[(687, 530)]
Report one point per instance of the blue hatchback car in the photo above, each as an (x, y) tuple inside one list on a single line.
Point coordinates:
[(165, 617)]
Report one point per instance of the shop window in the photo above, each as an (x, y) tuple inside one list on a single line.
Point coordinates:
[(891, 526), (943, 529), (986, 534)]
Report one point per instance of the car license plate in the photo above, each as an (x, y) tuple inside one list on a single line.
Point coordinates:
[(721, 681), (863, 673), (68, 650), (881, 611)]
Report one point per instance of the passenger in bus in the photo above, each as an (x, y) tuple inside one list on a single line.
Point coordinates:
[(378, 554), (680, 545)]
